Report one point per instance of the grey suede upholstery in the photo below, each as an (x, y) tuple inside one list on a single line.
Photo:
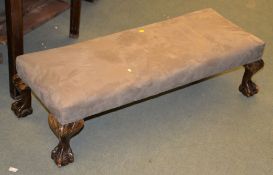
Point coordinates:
[(83, 79)]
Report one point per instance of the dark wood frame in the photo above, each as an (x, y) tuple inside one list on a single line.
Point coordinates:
[(35, 13), (14, 20)]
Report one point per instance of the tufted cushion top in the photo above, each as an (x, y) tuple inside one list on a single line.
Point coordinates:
[(83, 79)]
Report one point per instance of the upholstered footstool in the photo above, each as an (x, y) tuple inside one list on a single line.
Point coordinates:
[(90, 77)]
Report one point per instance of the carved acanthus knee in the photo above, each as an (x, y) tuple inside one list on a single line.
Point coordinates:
[(248, 87), (22, 106), (62, 154)]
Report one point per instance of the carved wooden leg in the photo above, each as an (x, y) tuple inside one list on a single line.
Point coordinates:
[(75, 13), (22, 106), (248, 87), (62, 154)]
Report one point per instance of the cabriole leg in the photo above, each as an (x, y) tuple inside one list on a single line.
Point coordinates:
[(248, 87), (62, 154), (22, 106)]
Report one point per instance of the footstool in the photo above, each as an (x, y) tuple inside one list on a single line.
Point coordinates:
[(80, 80)]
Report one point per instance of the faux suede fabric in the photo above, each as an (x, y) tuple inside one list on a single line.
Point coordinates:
[(83, 79)]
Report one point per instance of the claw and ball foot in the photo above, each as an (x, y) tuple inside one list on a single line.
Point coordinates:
[(248, 87), (62, 154), (22, 106)]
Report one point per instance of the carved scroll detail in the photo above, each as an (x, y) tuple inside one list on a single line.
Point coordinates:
[(62, 154), (248, 87), (22, 106)]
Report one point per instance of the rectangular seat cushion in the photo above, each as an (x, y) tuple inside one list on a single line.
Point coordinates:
[(83, 79)]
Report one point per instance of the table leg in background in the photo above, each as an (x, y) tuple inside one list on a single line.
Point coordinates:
[(75, 13), (14, 20)]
